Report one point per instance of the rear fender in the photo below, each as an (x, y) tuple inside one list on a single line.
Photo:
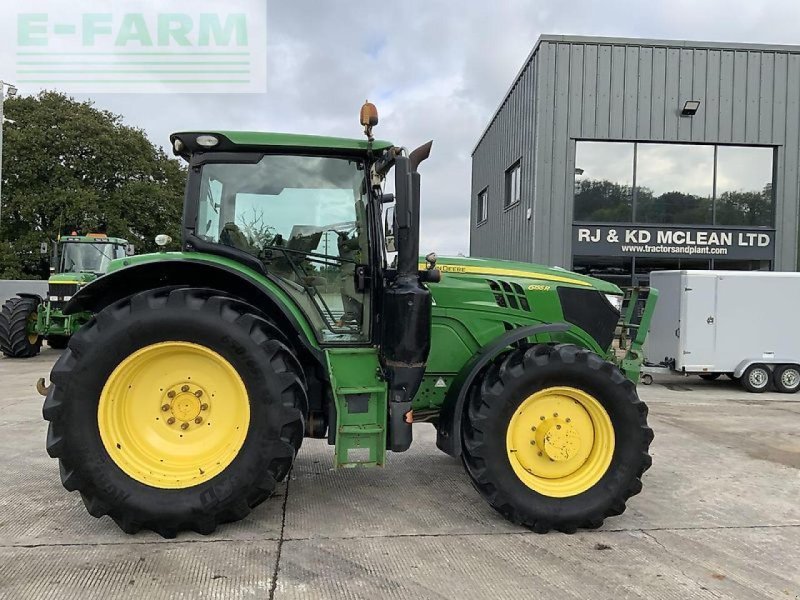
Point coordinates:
[(250, 287), (36, 297), (448, 434)]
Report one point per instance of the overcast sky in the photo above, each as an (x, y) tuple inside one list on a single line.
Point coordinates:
[(436, 70)]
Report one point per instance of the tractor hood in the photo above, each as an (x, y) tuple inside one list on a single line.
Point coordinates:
[(80, 278), (506, 269)]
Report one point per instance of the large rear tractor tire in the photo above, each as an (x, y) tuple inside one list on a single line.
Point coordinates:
[(556, 438), (16, 319), (175, 409)]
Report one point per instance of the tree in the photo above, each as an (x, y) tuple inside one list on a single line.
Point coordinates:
[(69, 166)]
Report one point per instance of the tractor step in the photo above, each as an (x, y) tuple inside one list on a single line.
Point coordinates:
[(360, 396)]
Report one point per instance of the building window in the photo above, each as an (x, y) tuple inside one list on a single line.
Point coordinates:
[(483, 206), (513, 182), (675, 184), (604, 182), (744, 186)]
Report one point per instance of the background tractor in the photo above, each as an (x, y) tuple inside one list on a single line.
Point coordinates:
[(29, 319), (186, 397)]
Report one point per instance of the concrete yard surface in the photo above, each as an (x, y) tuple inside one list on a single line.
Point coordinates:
[(719, 517)]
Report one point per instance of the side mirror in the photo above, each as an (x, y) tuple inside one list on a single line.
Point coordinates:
[(389, 226), (130, 250), (44, 248)]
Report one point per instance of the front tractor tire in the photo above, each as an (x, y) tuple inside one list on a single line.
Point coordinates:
[(175, 409), (17, 320), (555, 437)]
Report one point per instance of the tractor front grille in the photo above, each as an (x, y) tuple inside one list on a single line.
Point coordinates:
[(60, 293), (509, 295)]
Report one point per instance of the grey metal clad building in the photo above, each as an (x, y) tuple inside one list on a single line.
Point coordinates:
[(617, 157)]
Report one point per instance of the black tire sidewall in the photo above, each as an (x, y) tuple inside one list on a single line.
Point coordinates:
[(614, 393), (118, 338)]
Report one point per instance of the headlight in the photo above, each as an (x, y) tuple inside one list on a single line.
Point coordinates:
[(616, 301)]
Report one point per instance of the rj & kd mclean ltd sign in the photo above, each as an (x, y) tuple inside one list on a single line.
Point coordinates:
[(634, 240)]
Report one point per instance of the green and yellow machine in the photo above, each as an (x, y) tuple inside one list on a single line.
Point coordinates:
[(29, 319), (286, 315)]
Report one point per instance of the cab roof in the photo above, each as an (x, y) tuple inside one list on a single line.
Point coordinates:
[(94, 238), (270, 141)]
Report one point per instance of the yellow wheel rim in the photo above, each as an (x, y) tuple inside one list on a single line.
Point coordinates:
[(33, 319), (173, 415), (560, 441)]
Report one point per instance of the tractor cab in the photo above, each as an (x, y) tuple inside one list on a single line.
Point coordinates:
[(90, 254), (306, 220)]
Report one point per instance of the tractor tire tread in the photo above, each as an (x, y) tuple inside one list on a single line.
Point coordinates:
[(14, 342), (504, 372), (279, 453)]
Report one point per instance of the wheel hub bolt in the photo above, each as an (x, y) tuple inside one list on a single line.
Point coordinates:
[(540, 453), (204, 406), (198, 420), (184, 426), (558, 426), (555, 414), (185, 388), (170, 394), (569, 420), (165, 407), (171, 420), (541, 418), (198, 393)]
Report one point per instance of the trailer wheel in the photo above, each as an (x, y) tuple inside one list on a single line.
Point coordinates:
[(786, 378), (17, 318), (555, 437), (709, 376), (175, 409), (756, 378)]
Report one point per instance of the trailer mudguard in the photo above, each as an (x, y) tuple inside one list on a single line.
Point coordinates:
[(448, 430), (163, 270)]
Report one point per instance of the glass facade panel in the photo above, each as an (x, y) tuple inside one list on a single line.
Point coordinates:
[(744, 186), (604, 182), (674, 184)]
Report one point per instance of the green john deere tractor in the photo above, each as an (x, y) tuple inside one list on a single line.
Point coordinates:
[(185, 399), (28, 319)]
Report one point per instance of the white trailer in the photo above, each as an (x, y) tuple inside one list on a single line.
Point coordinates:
[(744, 324)]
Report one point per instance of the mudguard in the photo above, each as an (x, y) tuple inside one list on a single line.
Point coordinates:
[(448, 431), (195, 273)]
